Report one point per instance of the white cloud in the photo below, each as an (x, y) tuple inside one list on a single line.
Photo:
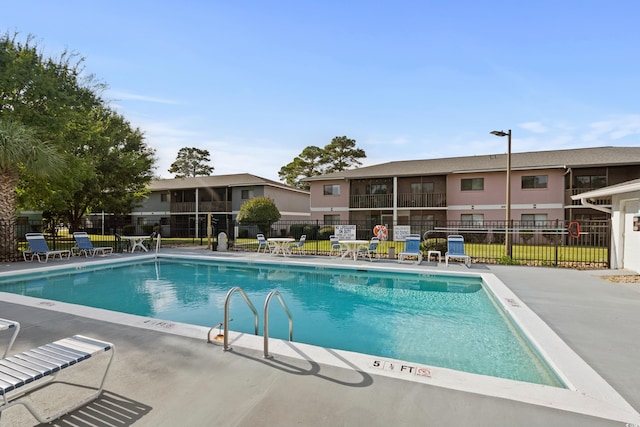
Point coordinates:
[(122, 96), (615, 128), (535, 127)]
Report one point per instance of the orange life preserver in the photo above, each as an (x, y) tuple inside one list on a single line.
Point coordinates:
[(380, 231), (574, 229)]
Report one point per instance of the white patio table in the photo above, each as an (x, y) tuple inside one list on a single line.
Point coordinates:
[(352, 247), (280, 244), (137, 242)]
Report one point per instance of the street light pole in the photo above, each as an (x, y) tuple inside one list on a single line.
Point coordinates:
[(507, 237)]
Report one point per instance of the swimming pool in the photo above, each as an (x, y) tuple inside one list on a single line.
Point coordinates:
[(437, 320)]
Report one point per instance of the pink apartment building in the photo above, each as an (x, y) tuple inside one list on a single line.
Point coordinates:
[(472, 189)]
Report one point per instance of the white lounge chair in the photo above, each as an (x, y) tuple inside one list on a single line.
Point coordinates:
[(371, 249), (262, 243), (38, 247), (298, 246), (13, 326), (455, 249), (412, 248), (31, 370), (84, 245), (336, 246)]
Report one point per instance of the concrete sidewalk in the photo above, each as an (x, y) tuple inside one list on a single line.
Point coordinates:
[(161, 379)]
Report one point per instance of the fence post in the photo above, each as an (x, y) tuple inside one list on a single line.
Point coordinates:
[(555, 243)]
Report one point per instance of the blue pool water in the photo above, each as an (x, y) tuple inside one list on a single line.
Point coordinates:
[(446, 321)]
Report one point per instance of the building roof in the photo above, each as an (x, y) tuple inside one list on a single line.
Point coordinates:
[(623, 187), (233, 180), (573, 158)]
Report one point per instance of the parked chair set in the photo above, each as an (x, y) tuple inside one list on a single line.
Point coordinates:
[(23, 373), (265, 245), (38, 248)]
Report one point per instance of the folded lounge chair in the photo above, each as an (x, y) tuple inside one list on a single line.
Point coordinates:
[(412, 248), (31, 370), (38, 247), (455, 249), (84, 245)]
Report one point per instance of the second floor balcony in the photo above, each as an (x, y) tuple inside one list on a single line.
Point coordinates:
[(215, 206), (422, 200), (409, 200), (573, 191)]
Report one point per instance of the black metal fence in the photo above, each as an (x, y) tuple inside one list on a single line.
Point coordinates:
[(583, 244)]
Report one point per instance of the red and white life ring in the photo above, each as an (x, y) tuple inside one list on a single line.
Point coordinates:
[(380, 231)]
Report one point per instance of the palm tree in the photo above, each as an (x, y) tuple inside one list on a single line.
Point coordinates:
[(20, 152)]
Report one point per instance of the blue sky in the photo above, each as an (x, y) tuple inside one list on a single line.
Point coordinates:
[(255, 82)]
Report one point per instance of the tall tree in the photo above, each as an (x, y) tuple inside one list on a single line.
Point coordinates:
[(342, 154), (191, 161), (106, 162), (20, 152), (308, 163)]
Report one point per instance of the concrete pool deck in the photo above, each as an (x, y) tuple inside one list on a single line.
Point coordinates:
[(161, 378)]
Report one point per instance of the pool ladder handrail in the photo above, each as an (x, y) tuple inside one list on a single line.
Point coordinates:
[(266, 320), (157, 245), (226, 315)]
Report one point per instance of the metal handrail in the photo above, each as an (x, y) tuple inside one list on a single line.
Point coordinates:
[(157, 245), (226, 315), (266, 320)]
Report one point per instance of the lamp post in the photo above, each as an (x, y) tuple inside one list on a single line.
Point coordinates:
[(507, 236)]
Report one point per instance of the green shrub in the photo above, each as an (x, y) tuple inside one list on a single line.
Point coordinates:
[(311, 231), (474, 237), (554, 238), (436, 244), (507, 260), (147, 229), (526, 235), (498, 237), (325, 232), (296, 230)]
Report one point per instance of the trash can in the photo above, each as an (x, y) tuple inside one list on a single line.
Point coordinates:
[(392, 252)]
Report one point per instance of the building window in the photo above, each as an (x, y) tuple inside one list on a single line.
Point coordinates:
[(533, 220), (472, 220), (472, 184), (534, 181), (246, 194), (331, 219), (331, 190), (591, 181), (165, 197), (421, 187)]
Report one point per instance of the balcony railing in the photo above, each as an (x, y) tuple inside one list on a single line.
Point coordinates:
[(409, 200), (573, 191), (216, 206), (423, 200), (371, 201)]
